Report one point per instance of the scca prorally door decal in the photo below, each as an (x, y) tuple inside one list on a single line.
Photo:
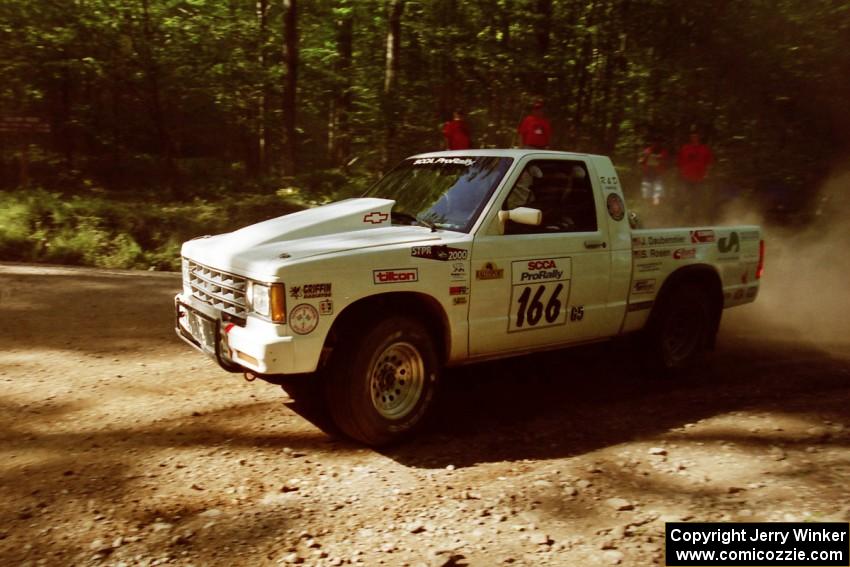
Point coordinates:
[(540, 289)]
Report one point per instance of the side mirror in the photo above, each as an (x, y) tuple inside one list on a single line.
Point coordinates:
[(522, 215)]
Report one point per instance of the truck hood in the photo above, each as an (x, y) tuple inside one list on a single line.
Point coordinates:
[(261, 249)]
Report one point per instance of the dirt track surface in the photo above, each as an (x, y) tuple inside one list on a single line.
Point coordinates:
[(122, 446)]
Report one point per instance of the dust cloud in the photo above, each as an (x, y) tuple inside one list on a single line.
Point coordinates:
[(804, 290)]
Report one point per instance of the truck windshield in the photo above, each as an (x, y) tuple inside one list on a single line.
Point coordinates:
[(441, 192)]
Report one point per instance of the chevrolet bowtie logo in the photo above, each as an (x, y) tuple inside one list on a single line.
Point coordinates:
[(376, 218)]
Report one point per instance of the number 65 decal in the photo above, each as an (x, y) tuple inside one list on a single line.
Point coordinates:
[(536, 306)]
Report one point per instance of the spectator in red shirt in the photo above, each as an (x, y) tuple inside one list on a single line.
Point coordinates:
[(456, 132), (694, 160), (535, 131)]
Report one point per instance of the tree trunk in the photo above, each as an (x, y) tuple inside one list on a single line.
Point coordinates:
[(152, 74), (507, 119), (447, 19), (290, 84), (583, 90), (339, 134), (395, 9), (263, 109), (544, 26)]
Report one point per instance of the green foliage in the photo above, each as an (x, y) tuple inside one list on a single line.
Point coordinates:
[(181, 100), (39, 226)]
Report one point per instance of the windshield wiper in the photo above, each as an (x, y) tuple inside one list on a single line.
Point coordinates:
[(414, 220)]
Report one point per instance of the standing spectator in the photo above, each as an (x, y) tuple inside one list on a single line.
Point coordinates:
[(456, 132), (535, 130), (653, 163), (694, 160)]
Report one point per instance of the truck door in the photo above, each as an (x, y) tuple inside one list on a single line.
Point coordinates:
[(542, 285)]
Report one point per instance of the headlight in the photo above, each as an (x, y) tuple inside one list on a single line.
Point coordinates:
[(258, 298), (267, 300), (184, 267)]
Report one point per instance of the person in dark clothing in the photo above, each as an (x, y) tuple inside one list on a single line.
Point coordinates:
[(653, 163)]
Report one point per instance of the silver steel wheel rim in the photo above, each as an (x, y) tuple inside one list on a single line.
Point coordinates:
[(396, 380)]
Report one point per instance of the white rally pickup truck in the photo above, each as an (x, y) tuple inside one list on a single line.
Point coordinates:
[(452, 258)]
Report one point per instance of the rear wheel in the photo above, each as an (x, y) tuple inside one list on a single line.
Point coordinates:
[(382, 383), (680, 331)]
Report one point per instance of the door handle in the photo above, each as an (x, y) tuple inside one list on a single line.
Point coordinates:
[(595, 244)]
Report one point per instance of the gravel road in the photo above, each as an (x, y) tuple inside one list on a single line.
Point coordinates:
[(122, 446)]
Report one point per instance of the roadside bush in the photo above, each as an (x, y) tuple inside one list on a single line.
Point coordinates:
[(121, 231)]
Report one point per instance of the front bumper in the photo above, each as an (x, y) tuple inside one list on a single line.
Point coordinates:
[(257, 346), (202, 331)]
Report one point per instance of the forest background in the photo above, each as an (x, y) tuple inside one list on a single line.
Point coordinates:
[(129, 126)]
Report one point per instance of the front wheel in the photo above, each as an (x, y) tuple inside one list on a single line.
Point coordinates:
[(680, 331), (382, 383)]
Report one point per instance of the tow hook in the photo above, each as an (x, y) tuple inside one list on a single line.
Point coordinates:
[(249, 376)]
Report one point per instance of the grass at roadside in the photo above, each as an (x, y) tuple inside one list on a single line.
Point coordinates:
[(126, 232)]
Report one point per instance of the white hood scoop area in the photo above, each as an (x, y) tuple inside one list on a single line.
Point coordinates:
[(344, 216), (261, 249)]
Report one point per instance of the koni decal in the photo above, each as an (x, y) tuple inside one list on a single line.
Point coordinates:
[(702, 236)]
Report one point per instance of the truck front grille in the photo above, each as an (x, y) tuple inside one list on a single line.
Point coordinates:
[(223, 291)]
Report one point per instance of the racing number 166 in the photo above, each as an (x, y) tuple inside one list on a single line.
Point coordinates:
[(532, 308)]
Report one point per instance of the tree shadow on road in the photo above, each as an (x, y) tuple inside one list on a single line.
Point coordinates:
[(569, 403), (84, 481)]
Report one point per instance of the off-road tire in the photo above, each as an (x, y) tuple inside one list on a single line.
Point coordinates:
[(679, 331), (381, 383)]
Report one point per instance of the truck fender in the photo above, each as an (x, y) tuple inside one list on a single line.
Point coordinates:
[(371, 309), (706, 277)]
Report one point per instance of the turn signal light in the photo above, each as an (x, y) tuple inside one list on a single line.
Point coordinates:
[(277, 297), (760, 267)]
